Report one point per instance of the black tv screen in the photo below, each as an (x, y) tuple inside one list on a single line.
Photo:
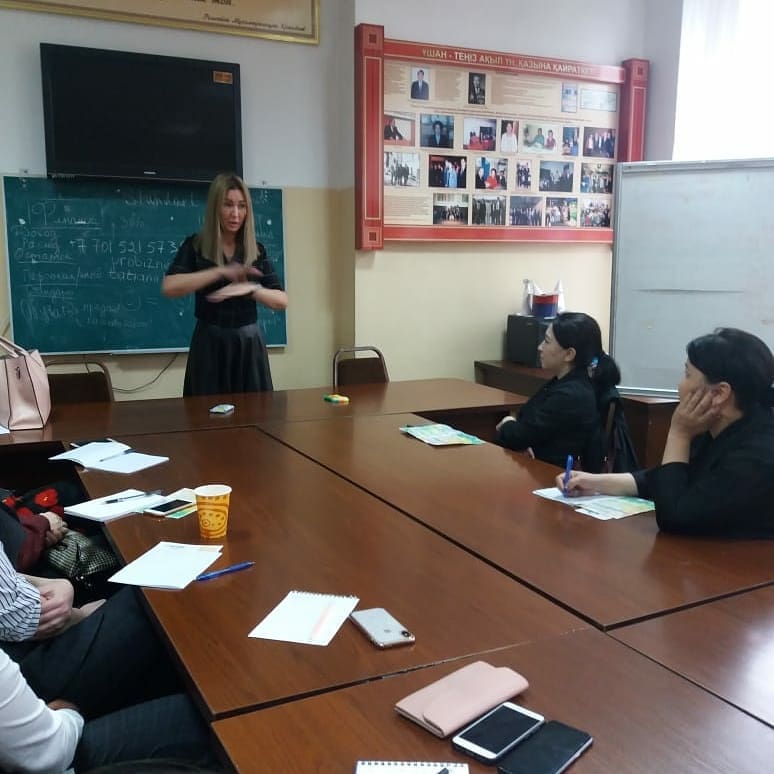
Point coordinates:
[(139, 116)]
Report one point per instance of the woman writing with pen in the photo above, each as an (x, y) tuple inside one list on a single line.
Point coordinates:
[(717, 473), (563, 417)]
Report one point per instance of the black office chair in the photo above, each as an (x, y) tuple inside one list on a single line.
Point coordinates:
[(350, 369), (85, 386), (619, 453)]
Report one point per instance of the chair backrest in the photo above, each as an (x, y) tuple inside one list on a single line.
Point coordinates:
[(87, 386), (620, 456), (350, 369)]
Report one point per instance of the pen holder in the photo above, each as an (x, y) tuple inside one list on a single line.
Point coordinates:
[(212, 503)]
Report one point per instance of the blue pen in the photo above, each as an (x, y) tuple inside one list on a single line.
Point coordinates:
[(224, 571), (567, 470)]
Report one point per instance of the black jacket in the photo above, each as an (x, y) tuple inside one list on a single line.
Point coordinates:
[(727, 487), (560, 419)]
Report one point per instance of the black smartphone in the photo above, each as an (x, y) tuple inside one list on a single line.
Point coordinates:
[(550, 750), (78, 444)]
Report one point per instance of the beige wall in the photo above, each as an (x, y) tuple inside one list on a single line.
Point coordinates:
[(434, 309)]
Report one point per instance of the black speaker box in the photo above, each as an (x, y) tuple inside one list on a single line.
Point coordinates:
[(522, 337)]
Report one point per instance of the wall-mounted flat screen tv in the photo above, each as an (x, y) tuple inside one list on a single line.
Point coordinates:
[(139, 116)]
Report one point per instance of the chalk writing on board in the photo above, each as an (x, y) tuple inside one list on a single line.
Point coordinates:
[(86, 260)]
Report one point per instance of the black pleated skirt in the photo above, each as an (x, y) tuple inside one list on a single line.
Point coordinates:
[(226, 360)]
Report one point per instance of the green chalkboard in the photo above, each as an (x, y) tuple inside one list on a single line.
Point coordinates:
[(86, 259)]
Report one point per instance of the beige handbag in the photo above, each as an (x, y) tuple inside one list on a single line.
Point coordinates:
[(25, 401), (452, 702)]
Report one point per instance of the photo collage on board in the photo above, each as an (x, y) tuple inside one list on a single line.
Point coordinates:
[(474, 147)]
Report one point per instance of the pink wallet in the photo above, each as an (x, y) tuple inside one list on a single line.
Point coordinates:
[(446, 705)]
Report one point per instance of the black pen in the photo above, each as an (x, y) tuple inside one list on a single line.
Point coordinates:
[(131, 497), (225, 571), (118, 454)]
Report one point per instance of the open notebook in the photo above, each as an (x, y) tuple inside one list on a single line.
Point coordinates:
[(111, 456)]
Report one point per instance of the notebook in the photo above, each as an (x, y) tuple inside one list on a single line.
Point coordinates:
[(128, 501), (111, 456), (408, 767), (306, 617), (168, 565)]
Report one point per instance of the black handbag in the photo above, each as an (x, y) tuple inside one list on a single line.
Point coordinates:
[(79, 556)]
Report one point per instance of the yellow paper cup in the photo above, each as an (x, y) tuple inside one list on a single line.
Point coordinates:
[(212, 502)]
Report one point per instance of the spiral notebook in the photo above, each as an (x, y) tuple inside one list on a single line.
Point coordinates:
[(408, 767), (306, 617)]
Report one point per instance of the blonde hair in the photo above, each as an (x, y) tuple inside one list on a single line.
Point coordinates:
[(209, 241)]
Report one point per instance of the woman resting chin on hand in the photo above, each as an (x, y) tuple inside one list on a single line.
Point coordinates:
[(717, 473)]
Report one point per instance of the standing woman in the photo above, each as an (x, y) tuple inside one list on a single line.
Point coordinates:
[(230, 274), (563, 417), (717, 474)]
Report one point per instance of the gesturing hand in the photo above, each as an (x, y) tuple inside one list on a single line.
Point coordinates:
[(238, 272), (232, 290)]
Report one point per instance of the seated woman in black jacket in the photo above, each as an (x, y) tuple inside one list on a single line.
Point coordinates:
[(717, 473), (563, 417)]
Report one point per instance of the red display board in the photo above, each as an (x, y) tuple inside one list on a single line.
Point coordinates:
[(466, 145)]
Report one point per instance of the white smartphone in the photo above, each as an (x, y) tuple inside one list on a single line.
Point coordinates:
[(500, 730), (381, 628), (162, 509)]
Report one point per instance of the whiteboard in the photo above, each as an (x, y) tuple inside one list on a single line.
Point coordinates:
[(693, 251)]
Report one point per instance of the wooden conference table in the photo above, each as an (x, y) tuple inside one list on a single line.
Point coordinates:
[(346, 504), (643, 718), (735, 637), (466, 404), (309, 529), (608, 572)]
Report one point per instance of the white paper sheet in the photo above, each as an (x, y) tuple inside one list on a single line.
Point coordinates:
[(168, 565), (599, 506), (306, 618)]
